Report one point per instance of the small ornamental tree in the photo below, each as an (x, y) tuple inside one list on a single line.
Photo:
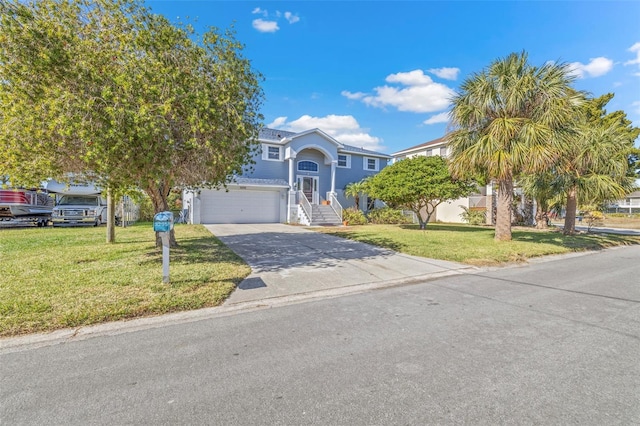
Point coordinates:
[(418, 184)]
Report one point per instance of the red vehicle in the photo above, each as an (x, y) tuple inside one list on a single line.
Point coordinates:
[(25, 206)]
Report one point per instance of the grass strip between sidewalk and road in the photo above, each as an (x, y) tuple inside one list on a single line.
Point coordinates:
[(52, 278), (475, 245)]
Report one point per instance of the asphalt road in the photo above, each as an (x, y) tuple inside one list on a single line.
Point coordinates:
[(554, 342)]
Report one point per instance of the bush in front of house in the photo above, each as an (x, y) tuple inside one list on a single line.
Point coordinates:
[(353, 216), (387, 216), (473, 217)]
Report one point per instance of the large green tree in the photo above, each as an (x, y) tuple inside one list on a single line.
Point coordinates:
[(111, 91), (418, 184), (510, 119)]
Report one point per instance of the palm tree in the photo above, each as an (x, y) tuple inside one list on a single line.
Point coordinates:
[(354, 189), (540, 187), (594, 169), (510, 119), (595, 164)]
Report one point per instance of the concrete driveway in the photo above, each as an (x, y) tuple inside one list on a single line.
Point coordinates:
[(291, 261)]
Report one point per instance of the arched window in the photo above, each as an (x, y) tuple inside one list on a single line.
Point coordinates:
[(307, 166)]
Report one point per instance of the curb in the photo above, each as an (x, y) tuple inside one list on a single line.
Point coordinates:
[(33, 341)]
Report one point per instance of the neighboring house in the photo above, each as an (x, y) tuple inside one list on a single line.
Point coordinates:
[(296, 178), (448, 211), (630, 204)]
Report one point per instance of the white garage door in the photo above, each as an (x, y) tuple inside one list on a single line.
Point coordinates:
[(239, 206)]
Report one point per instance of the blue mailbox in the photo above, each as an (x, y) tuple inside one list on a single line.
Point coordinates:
[(163, 222)]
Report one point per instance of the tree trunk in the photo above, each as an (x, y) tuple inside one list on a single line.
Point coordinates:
[(421, 221), (158, 192), (570, 216), (111, 217), (541, 214), (541, 219), (504, 200)]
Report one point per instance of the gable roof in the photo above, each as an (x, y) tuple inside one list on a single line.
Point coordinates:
[(355, 149), (267, 134), (282, 136), (425, 145)]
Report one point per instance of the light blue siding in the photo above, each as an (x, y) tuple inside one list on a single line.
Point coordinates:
[(317, 148)]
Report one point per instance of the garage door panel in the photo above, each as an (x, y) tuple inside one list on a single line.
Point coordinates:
[(240, 206)]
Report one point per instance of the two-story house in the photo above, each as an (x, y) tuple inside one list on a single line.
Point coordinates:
[(449, 211), (296, 178)]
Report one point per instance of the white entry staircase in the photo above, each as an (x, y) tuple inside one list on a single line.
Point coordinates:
[(324, 215)]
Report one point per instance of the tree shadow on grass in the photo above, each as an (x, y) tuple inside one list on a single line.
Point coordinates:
[(577, 242), (195, 250), (450, 228)]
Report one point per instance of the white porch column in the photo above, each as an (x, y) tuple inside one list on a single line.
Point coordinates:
[(333, 176), (291, 165), (291, 195)]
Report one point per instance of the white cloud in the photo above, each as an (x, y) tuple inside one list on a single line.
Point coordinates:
[(446, 73), (270, 23), (443, 117), (411, 78), (636, 107), (278, 122), (353, 96), (265, 26), (635, 49), (421, 93), (291, 17), (262, 12), (427, 98), (595, 68), (344, 128)]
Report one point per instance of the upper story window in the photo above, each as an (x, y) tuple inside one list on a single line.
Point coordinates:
[(370, 164), (307, 166), (271, 153), (429, 152), (344, 160)]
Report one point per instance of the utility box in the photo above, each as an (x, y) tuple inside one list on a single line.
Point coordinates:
[(163, 222)]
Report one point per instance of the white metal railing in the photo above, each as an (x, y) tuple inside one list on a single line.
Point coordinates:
[(632, 203), (306, 206), (335, 205)]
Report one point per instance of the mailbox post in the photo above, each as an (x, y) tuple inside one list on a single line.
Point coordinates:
[(163, 223)]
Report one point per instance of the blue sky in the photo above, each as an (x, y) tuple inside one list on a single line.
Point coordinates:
[(379, 74)]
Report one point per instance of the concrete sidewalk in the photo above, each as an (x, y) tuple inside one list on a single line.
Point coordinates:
[(292, 261)]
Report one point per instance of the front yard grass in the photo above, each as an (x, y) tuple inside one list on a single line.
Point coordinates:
[(475, 245), (52, 278)]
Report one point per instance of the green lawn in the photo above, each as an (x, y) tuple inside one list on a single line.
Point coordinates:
[(53, 278), (475, 244)]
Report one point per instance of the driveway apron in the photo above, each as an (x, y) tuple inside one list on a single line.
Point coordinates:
[(291, 260)]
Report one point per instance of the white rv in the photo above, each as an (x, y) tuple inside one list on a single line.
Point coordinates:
[(77, 204)]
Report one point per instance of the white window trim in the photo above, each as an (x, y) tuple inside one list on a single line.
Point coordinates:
[(365, 164), (348, 166), (265, 152)]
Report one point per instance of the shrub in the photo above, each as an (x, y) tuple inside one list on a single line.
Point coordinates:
[(592, 216), (353, 216), (388, 216), (473, 217)]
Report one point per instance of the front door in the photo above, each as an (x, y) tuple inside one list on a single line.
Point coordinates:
[(309, 187)]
